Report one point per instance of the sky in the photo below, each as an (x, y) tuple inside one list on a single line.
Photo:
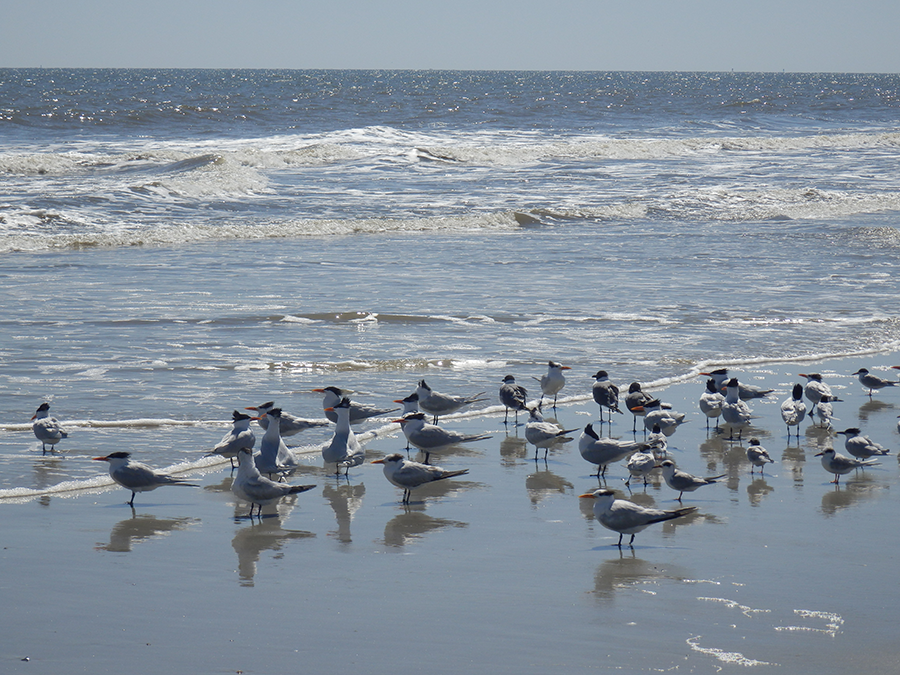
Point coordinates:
[(685, 35)]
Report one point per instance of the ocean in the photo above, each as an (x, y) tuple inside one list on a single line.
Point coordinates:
[(178, 244)]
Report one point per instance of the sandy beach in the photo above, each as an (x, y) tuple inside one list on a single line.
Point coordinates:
[(503, 570)]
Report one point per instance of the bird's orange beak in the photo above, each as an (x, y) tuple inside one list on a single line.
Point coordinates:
[(566, 368), (328, 409), (400, 421), (321, 391), (587, 495), (101, 459), (377, 461), (637, 409)]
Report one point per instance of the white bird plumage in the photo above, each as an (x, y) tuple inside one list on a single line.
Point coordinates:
[(251, 486), (344, 449), (137, 477), (793, 409), (758, 456), (553, 382), (735, 412), (605, 451), (625, 517), (431, 438), (240, 436), (409, 475), (47, 429), (437, 404), (839, 465), (682, 481), (542, 434)]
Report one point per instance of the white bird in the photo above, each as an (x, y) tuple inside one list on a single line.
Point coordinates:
[(838, 464), (861, 447), (47, 429), (137, 477), (553, 382), (410, 475), (410, 404), (344, 448), (252, 487), (665, 418), (872, 382), (513, 397), (431, 438), (635, 400), (290, 424), (683, 481), (640, 464), (239, 437), (627, 517), (606, 394), (658, 443), (274, 455), (745, 391), (735, 412), (711, 402), (824, 410), (358, 411), (793, 409), (437, 404), (605, 451), (543, 434), (816, 388), (758, 456)]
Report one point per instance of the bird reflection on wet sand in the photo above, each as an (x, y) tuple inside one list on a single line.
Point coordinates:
[(139, 528)]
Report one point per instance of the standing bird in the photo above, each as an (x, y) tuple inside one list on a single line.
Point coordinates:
[(872, 382), (683, 481), (839, 465), (735, 412), (410, 475), (513, 397), (635, 400), (252, 487), (437, 404), (824, 410), (274, 455), (666, 419), (861, 447), (758, 456), (640, 464), (605, 451), (358, 411), (793, 409), (606, 394), (410, 404), (745, 391), (711, 402), (289, 424), (137, 477), (816, 388), (543, 434), (239, 437), (553, 382), (343, 449), (626, 517), (431, 438), (47, 429), (659, 443)]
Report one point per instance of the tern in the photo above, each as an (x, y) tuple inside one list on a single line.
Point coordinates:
[(274, 455), (410, 404), (635, 400), (666, 419), (290, 424), (606, 451), (606, 394), (252, 487), (543, 434), (758, 456), (838, 464), (553, 382), (437, 404), (793, 409), (745, 391), (239, 437), (47, 429), (410, 475), (683, 481), (137, 477), (872, 382), (824, 410), (711, 403), (861, 447), (343, 449), (627, 517), (513, 397), (816, 388), (640, 464), (735, 412), (658, 443), (358, 411), (431, 438)]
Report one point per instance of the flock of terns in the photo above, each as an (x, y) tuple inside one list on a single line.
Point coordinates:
[(724, 398)]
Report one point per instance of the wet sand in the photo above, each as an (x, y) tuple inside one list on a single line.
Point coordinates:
[(503, 571)]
